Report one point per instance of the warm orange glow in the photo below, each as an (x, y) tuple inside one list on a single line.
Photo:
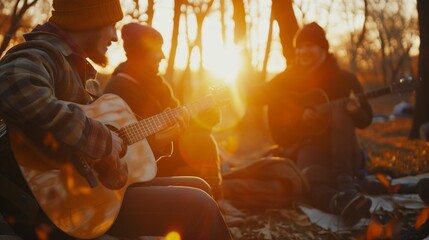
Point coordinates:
[(173, 236), (116, 55), (383, 179), (386, 182), (43, 231), (422, 218), (11, 220), (376, 230), (68, 169), (50, 141)]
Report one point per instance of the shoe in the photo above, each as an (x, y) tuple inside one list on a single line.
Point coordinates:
[(351, 206), (229, 210), (423, 189)]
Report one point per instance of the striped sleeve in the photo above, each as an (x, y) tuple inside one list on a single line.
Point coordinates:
[(27, 99)]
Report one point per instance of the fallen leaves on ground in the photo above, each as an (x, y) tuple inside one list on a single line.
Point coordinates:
[(391, 153)]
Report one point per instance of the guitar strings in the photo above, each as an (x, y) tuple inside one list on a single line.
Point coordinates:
[(135, 132)]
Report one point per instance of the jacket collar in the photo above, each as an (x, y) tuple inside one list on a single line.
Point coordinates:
[(58, 37), (65, 44)]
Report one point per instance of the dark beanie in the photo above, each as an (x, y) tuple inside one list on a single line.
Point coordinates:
[(80, 15), (312, 32), (139, 39)]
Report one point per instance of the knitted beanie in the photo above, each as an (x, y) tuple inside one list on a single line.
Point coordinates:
[(80, 15), (312, 32), (139, 39)]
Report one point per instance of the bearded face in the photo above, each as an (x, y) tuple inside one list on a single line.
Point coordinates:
[(97, 42)]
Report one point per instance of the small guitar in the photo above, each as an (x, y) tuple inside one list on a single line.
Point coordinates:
[(64, 194), (287, 128)]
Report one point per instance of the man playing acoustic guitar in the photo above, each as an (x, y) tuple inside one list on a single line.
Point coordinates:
[(321, 140), (62, 162), (139, 83)]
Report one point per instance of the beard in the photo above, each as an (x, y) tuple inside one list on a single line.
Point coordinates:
[(92, 50), (95, 56), (99, 59)]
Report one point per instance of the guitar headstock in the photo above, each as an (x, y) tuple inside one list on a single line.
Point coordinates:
[(221, 94), (404, 84)]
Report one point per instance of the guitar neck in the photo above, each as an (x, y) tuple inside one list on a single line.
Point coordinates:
[(343, 101), (137, 131)]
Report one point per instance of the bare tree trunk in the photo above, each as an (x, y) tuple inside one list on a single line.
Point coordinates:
[(174, 41), (17, 15), (201, 14), (150, 11), (383, 57), (184, 80), (240, 39), (250, 129), (355, 46), (239, 17), (267, 50), (288, 25), (222, 19), (421, 113)]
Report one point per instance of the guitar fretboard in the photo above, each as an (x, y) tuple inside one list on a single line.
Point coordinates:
[(137, 131), (343, 101)]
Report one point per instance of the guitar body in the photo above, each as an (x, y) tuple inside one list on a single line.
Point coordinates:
[(63, 194), (285, 119)]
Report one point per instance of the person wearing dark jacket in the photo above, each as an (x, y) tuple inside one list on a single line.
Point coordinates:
[(182, 149), (58, 156), (313, 110)]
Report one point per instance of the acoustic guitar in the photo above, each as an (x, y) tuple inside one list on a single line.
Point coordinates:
[(78, 209), (287, 127)]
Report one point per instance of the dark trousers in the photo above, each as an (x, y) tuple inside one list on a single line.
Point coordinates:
[(180, 204), (324, 157)]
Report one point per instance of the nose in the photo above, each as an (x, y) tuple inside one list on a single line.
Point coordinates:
[(114, 34)]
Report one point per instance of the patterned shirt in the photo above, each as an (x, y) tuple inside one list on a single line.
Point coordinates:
[(40, 80)]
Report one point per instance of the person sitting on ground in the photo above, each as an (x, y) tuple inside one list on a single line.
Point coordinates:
[(42, 96), (322, 142), (138, 82)]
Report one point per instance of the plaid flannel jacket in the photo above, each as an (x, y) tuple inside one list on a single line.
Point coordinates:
[(40, 80)]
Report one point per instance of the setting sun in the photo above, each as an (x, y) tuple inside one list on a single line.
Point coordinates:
[(224, 63)]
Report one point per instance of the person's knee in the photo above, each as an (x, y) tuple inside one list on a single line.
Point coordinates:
[(201, 184), (202, 201)]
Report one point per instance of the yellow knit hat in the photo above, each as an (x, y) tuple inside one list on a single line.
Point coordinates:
[(78, 15)]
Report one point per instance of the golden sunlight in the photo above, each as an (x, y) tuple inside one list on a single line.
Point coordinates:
[(224, 63), (173, 236), (115, 54)]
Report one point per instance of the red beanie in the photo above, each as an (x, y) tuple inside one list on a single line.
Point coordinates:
[(139, 39), (312, 32), (80, 15)]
